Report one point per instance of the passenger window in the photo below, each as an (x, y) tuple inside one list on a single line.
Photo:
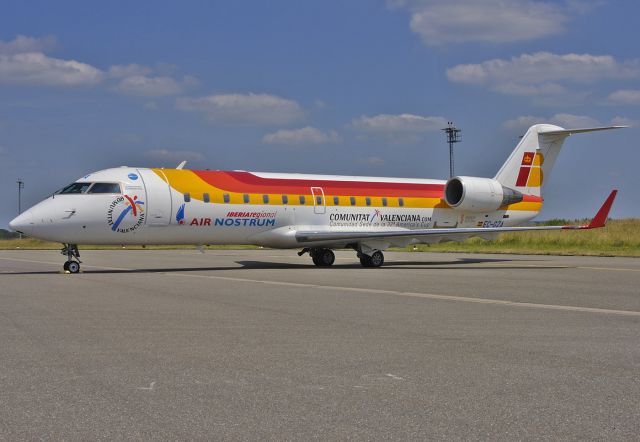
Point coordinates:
[(401, 202), (384, 202), (245, 198), (265, 199), (336, 200), (205, 197), (285, 199), (368, 201), (302, 199), (104, 188), (318, 200), (187, 197), (225, 197), (75, 188), (352, 199)]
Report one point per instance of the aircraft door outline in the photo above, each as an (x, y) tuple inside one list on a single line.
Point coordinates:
[(319, 200)]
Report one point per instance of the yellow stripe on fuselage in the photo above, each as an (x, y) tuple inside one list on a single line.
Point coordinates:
[(184, 181)]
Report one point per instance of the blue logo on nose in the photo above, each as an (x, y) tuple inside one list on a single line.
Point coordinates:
[(133, 176)]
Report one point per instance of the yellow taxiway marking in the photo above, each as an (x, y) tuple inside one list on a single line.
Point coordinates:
[(467, 299)]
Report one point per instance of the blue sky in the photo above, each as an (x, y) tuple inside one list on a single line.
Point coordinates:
[(357, 87)]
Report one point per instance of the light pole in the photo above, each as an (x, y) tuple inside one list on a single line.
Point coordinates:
[(453, 136), (20, 187)]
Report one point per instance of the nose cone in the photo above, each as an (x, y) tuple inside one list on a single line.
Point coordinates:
[(23, 223)]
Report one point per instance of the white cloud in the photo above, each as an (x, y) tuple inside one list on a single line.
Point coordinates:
[(550, 79), (128, 70), (22, 44), (625, 96), (523, 122), (243, 108), (301, 137), (439, 22), (624, 121), (539, 73), (146, 86), (574, 121), (398, 124), (38, 69), (173, 155), (568, 121)]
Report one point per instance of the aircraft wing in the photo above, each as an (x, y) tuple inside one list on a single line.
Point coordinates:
[(311, 236)]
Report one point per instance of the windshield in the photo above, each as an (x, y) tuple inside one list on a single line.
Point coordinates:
[(74, 188), (105, 188)]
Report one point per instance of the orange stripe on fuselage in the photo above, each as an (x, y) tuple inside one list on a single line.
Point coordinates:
[(237, 184)]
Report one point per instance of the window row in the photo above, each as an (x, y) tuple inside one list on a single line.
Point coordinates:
[(226, 198)]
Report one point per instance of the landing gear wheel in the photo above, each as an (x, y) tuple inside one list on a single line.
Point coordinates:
[(377, 259), (323, 257), (72, 266), (365, 260)]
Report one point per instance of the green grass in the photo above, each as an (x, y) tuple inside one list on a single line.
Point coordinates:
[(618, 238)]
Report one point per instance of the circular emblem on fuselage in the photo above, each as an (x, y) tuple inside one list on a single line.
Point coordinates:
[(125, 214)]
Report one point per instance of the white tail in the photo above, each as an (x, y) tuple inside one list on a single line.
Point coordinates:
[(529, 165)]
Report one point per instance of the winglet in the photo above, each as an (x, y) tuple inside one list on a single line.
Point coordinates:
[(601, 217), (181, 165)]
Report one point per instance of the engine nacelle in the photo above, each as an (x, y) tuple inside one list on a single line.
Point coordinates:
[(472, 194)]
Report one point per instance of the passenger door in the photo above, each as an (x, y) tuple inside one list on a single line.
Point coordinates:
[(158, 203), (319, 203)]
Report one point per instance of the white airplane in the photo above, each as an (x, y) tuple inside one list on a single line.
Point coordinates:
[(315, 213)]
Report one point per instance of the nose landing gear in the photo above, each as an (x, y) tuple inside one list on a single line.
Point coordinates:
[(73, 258)]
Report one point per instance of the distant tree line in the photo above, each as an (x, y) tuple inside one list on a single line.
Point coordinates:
[(5, 234)]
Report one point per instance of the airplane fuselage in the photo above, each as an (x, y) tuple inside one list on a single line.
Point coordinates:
[(171, 206)]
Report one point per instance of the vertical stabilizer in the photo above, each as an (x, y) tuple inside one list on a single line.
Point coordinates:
[(530, 164)]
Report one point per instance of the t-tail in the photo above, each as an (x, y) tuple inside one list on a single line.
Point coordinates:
[(529, 165)]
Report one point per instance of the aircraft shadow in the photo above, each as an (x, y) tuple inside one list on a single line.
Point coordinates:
[(265, 265)]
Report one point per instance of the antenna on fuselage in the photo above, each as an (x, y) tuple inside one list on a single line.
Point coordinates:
[(181, 165)]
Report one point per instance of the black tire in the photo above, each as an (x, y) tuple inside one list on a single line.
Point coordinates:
[(73, 266), (326, 257), (316, 260), (377, 259), (66, 266), (365, 260)]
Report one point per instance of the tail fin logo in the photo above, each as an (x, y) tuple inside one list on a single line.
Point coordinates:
[(530, 174)]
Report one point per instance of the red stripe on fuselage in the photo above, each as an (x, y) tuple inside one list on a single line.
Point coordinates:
[(245, 182)]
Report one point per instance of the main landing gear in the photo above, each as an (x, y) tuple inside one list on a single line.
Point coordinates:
[(325, 257), (376, 259), (73, 258)]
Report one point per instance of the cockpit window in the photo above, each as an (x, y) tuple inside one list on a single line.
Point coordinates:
[(74, 188), (105, 188)]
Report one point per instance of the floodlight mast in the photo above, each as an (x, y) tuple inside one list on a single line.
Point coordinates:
[(20, 187), (453, 136)]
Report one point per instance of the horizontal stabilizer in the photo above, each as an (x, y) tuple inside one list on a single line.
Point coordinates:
[(567, 132)]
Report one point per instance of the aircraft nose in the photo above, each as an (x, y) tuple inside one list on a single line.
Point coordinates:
[(23, 223)]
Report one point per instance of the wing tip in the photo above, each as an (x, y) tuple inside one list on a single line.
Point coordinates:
[(601, 217)]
